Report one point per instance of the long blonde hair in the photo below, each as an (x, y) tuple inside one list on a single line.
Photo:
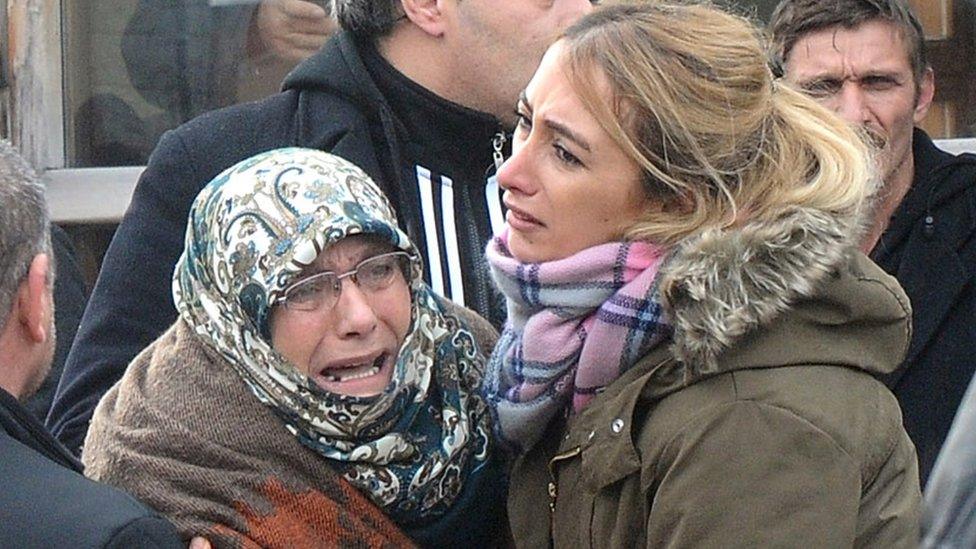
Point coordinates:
[(718, 140)]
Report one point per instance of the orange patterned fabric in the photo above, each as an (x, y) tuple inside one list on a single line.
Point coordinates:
[(306, 518), (183, 433)]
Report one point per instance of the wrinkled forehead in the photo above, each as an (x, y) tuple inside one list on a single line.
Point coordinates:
[(876, 44)]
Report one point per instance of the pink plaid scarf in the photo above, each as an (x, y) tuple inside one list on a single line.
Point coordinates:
[(574, 326)]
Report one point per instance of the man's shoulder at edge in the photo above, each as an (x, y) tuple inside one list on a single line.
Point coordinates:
[(47, 503)]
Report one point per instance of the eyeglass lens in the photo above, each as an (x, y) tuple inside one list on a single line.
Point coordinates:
[(322, 290)]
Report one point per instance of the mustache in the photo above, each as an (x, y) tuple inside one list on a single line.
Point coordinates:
[(873, 137)]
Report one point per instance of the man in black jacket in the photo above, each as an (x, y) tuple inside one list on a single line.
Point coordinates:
[(865, 59), (45, 501), (418, 93)]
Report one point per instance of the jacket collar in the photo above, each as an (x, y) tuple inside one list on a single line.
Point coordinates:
[(931, 181), (725, 283), (354, 69), (21, 426), (933, 186), (923, 254), (337, 68)]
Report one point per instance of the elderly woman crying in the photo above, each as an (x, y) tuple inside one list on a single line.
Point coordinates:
[(313, 391)]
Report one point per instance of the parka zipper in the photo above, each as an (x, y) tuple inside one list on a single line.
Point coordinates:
[(552, 486)]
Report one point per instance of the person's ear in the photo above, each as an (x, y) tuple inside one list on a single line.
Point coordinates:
[(428, 15), (34, 300), (926, 92)]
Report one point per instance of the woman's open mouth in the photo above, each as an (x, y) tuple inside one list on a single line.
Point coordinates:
[(361, 377), (355, 371)]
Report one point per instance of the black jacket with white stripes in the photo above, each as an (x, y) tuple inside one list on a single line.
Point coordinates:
[(430, 156)]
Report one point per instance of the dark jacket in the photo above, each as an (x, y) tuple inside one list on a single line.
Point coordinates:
[(413, 144), (930, 247), (761, 425), (46, 502)]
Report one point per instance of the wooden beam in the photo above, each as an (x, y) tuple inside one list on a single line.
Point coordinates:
[(36, 109)]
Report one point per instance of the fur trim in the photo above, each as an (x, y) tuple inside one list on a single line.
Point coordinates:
[(724, 283)]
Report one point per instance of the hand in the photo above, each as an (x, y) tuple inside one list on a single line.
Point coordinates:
[(290, 30), (199, 543)]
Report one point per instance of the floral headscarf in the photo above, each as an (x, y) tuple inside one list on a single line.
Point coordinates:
[(251, 231)]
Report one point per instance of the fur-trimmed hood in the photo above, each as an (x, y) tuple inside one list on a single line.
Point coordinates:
[(770, 408), (723, 288)]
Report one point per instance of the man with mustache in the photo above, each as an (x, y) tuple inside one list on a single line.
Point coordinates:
[(865, 60)]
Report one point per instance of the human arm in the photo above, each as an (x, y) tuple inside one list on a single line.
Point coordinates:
[(183, 56), (148, 48), (289, 30)]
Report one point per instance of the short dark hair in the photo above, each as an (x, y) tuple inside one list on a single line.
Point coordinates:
[(792, 19), (367, 19)]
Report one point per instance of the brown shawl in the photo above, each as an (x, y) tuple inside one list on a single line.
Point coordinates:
[(182, 432)]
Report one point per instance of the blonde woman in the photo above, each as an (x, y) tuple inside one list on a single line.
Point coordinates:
[(693, 337)]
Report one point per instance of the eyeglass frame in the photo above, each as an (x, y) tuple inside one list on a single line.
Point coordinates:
[(352, 273)]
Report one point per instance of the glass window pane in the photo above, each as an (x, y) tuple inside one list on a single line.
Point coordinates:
[(135, 68)]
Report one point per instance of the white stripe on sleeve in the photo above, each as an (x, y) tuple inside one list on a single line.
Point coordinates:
[(430, 229), (451, 241)]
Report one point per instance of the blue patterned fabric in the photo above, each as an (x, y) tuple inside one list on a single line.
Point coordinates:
[(414, 448)]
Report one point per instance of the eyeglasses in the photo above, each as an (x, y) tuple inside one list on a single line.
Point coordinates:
[(321, 291)]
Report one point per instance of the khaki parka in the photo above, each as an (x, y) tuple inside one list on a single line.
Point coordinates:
[(761, 425)]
